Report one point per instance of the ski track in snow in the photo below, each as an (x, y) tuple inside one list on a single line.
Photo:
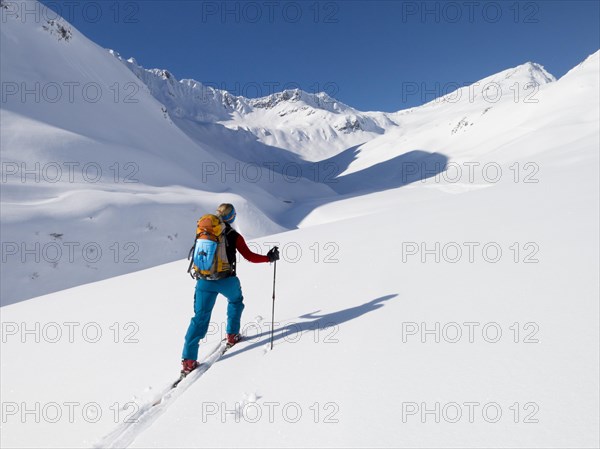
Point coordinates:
[(126, 432)]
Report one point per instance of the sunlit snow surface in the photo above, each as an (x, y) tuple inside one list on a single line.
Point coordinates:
[(451, 306)]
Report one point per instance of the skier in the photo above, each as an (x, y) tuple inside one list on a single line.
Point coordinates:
[(207, 290)]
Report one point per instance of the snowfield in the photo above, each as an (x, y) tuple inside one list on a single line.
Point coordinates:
[(438, 285)]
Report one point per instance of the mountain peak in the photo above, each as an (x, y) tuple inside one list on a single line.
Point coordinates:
[(270, 101), (529, 72), (319, 100), (492, 88), (536, 72)]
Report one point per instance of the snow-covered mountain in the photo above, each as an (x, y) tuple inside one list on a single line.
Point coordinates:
[(86, 147), (108, 140), (313, 126), (438, 285), (283, 154)]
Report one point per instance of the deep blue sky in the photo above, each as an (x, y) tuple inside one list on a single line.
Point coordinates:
[(366, 54)]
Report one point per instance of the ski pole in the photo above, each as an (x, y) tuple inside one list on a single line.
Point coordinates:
[(273, 309)]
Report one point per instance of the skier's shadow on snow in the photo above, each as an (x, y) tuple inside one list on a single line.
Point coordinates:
[(326, 327)]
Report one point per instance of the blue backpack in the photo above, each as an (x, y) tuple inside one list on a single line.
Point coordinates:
[(209, 253)]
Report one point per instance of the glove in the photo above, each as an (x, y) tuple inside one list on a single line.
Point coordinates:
[(273, 254)]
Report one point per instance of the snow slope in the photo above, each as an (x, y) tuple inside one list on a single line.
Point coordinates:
[(345, 343), (505, 143), (85, 146), (471, 322)]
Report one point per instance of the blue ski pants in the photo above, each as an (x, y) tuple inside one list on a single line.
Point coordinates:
[(204, 301)]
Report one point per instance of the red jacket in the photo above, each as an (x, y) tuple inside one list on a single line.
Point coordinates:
[(240, 245)]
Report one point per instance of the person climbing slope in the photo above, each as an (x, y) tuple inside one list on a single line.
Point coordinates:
[(213, 265)]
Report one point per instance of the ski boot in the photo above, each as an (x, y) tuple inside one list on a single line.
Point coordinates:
[(187, 366), (232, 339)]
